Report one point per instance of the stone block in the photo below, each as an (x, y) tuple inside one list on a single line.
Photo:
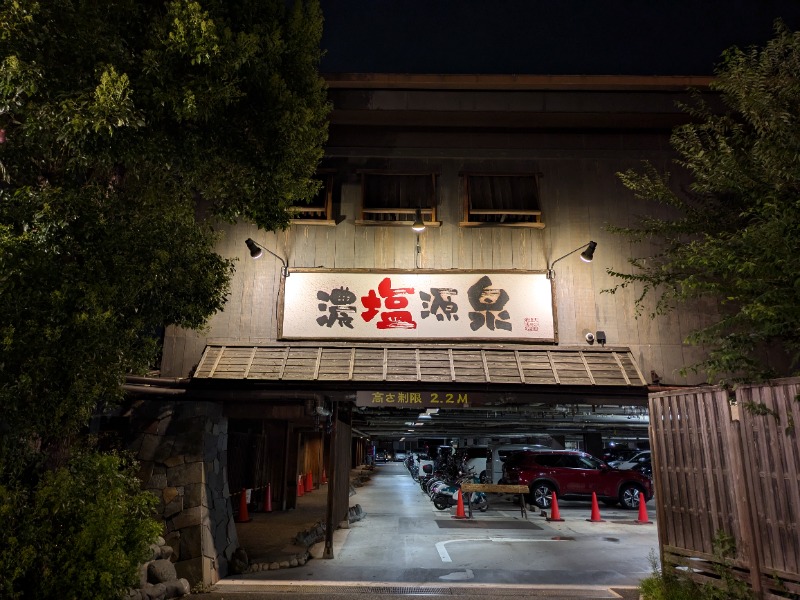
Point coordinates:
[(186, 474), (177, 588), (190, 542), (173, 508), (150, 443), (193, 494), (165, 450), (190, 441), (143, 575), (173, 541), (158, 481), (168, 494), (232, 535), (189, 517), (205, 569), (161, 571), (187, 426), (192, 570), (207, 542), (155, 591), (174, 461), (167, 552), (151, 427), (145, 471), (221, 538)]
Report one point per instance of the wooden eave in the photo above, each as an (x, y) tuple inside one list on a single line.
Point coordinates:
[(515, 369), (515, 82)]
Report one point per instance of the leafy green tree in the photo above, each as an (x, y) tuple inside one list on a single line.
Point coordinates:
[(80, 534), (126, 128), (735, 237)]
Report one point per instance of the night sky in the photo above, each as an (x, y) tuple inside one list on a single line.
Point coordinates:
[(544, 37)]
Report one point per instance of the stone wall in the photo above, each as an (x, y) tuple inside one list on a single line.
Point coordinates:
[(182, 448)]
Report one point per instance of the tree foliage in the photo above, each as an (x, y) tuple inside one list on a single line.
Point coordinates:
[(736, 234), (126, 127), (80, 533), (119, 119)]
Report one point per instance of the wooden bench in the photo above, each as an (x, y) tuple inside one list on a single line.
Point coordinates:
[(496, 488)]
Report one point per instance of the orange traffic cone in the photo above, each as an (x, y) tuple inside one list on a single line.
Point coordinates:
[(324, 477), (643, 520), (244, 516), (300, 490), (595, 511), (309, 482), (268, 499), (554, 514), (460, 507)]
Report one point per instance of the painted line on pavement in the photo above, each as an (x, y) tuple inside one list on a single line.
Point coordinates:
[(440, 546)]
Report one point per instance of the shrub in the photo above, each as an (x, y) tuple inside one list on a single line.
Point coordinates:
[(80, 533)]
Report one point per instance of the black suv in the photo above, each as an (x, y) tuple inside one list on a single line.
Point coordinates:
[(574, 475)]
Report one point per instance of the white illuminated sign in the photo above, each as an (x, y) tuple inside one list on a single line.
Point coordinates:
[(418, 306)]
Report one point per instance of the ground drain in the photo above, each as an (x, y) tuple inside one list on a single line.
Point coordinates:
[(433, 590), (370, 590)]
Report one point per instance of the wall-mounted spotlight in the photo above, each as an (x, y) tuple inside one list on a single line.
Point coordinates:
[(418, 225), (586, 256), (256, 251)]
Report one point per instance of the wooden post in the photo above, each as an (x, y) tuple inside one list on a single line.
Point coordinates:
[(744, 508), (333, 482)]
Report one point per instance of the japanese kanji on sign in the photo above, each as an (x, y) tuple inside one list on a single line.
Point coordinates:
[(420, 306)]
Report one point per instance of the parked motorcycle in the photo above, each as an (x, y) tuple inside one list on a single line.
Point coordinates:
[(448, 496)]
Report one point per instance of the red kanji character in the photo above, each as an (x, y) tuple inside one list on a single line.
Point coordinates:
[(372, 303), (391, 301), (399, 319)]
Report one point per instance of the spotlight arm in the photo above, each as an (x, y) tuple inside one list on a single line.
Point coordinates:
[(255, 251), (551, 274)]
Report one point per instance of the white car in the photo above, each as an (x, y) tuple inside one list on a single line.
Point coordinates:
[(636, 459)]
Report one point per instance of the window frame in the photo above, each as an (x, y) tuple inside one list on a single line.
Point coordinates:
[(325, 211), (468, 211), (427, 207)]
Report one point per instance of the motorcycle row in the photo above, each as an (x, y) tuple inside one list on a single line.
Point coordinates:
[(442, 481)]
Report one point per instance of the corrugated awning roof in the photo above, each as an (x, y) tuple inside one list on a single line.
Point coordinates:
[(370, 363)]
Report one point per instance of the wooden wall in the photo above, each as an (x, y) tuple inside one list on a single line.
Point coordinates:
[(730, 468), (580, 196)]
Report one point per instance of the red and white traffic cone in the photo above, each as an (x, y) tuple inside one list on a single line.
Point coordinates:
[(554, 514), (643, 519), (244, 516), (595, 518), (460, 514)]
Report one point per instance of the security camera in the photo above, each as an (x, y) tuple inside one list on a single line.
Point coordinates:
[(590, 337)]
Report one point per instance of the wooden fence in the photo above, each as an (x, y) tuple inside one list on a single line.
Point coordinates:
[(730, 463)]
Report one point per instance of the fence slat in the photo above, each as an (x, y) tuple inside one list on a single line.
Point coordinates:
[(715, 473)]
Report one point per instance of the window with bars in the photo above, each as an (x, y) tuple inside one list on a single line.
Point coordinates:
[(319, 211), (492, 199), (390, 198)]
